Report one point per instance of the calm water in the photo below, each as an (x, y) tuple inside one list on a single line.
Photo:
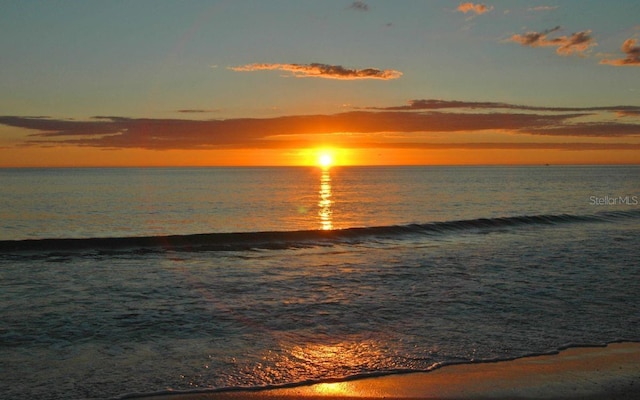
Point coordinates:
[(447, 265)]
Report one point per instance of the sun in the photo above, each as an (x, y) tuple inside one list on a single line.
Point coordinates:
[(325, 159)]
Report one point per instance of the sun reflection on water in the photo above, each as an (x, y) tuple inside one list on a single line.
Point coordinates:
[(335, 360), (343, 358), (325, 212), (334, 389)]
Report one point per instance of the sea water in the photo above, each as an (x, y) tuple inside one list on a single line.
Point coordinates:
[(130, 281)]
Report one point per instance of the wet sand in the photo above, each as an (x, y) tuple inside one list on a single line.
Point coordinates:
[(611, 372)]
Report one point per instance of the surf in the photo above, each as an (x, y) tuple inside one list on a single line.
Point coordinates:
[(272, 240)]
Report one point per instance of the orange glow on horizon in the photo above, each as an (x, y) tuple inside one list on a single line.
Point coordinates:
[(325, 157), (72, 156)]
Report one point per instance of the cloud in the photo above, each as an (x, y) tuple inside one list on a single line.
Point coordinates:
[(633, 55), (359, 6), (566, 45), (195, 111), (476, 8), (317, 70), (409, 125), (543, 8), (601, 129), (533, 38), (282, 132), (436, 104), (510, 145)]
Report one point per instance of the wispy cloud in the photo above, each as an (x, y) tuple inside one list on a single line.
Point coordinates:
[(317, 70), (543, 8), (436, 104), (196, 111), (156, 132), (478, 9), (359, 6), (577, 43), (408, 125), (595, 129), (632, 55), (572, 146)]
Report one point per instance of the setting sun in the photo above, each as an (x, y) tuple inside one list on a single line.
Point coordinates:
[(325, 159)]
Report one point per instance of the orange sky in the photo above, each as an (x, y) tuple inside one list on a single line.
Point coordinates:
[(428, 132), (83, 157)]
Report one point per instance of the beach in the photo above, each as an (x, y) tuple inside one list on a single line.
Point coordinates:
[(611, 372)]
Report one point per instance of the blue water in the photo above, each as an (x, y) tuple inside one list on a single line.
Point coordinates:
[(421, 266)]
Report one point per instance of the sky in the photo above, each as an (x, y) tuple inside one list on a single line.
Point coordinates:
[(205, 83)]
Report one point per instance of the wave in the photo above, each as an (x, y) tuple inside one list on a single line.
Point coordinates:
[(365, 375), (291, 239)]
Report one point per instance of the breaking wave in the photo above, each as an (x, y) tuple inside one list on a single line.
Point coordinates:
[(240, 241)]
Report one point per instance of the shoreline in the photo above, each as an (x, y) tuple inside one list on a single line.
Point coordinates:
[(607, 372)]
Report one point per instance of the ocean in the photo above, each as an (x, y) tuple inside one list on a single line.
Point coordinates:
[(117, 283)]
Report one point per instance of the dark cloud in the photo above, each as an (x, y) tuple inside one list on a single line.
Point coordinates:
[(195, 111), (359, 5), (69, 127), (533, 39), (374, 125), (255, 133), (566, 45), (506, 146), (317, 70), (632, 55), (435, 104), (601, 129)]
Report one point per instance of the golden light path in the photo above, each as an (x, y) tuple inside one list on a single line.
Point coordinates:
[(325, 159), (325, 212)]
